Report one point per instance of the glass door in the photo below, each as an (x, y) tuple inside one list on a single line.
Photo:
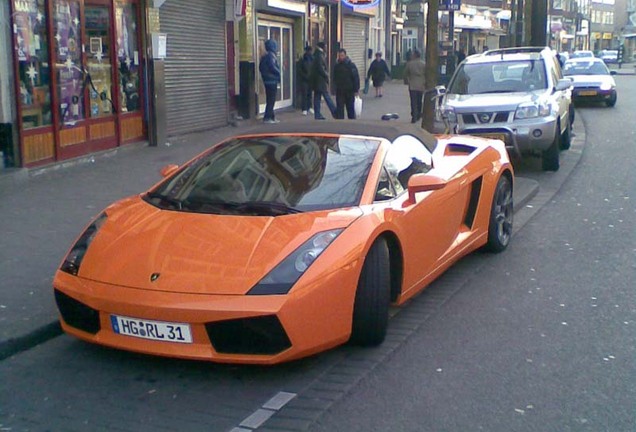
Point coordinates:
[(98, 61), (281, 33)]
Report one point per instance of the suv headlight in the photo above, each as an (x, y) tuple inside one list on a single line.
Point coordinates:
[(532, 110)]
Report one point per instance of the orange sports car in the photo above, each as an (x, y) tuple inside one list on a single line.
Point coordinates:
[(283, 242)]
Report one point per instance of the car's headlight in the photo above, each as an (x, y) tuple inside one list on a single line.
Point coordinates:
[(606, 86), (74, 258), (283, 277), (532, 110)]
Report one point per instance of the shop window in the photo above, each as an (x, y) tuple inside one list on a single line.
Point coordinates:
[(33, 63), (68, 65), (127, 56)]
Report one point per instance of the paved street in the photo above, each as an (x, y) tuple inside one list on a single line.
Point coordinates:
[(538, 338)]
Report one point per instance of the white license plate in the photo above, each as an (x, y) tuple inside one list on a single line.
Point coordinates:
[(153, 330)]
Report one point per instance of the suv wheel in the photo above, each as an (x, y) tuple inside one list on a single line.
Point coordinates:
[(550, 157), (566, 138)]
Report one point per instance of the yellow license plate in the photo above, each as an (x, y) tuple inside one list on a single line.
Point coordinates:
[(587, 93), (498, 136)]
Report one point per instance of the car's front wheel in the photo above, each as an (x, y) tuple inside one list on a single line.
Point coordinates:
[(371, 307), (612, 100), (550, 156), (501, 216)]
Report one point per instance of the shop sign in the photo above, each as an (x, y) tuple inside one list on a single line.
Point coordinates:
[(361, 3), (450, 5), (28, 6)]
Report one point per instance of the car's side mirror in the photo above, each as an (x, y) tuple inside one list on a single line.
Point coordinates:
[(613, 72), (563, 84), (424, 183), (168, 170)]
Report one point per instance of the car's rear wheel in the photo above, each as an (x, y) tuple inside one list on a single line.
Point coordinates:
[(550, 157), (501, 216), (371, 308), (611, 101)]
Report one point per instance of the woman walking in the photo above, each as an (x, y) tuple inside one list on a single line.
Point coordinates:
[(378, 71)]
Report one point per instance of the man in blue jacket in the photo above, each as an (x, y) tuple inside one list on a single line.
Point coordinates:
[(270, 74)]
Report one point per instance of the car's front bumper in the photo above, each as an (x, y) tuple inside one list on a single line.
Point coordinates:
[(313, 318), (593, 94), (521, 136)]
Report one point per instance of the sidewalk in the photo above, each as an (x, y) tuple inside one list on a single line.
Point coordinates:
[(43, 210)]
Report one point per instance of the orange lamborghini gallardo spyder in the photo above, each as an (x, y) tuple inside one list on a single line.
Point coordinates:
[(283, 242)]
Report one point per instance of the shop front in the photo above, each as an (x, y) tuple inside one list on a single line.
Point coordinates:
[(282, 21), (78, 77), (355, 36)]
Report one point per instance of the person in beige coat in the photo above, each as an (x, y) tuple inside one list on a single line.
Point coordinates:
[(414, 77)]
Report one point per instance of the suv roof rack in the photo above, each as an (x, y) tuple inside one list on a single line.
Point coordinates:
[(515, 50)]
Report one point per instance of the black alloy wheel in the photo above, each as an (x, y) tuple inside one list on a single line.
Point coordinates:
[(501, 217)]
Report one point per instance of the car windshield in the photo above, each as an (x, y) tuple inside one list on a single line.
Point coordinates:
[(585, 68), (271, 175), (499, 77)]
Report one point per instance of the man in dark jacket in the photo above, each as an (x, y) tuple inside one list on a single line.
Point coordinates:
[(319, 78), (347, 81), (304, 70), (270, 74)]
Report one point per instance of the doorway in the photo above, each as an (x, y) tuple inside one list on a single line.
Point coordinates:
[(282, 34)]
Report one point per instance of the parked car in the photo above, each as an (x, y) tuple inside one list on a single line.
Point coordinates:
[(284, 241), (609, 56), (591, 80), (517, 95), (581, 53)]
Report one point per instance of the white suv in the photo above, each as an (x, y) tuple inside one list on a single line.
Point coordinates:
[(517, 95)]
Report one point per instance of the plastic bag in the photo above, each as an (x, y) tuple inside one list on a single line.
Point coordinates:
[(358, 106)]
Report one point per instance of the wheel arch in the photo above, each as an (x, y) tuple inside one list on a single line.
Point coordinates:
[(396, 262)]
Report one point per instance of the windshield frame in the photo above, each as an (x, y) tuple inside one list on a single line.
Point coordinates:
[(332, 173)]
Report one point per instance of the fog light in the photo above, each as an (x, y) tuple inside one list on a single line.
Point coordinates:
[(537, 133)]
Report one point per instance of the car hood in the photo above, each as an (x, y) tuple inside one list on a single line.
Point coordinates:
[(197, 253), (490, 101), (591, 80)]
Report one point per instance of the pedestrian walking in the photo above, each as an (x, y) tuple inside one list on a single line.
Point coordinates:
[(304, 70), (378, 71), (460, 55), (347, 81), (319, 79), (270, 74), (415, 78)]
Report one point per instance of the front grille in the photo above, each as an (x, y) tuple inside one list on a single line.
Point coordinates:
[(77, 314), (486, 117), (257, 335)]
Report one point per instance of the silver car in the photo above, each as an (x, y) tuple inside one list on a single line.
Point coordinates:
[(517, 95)]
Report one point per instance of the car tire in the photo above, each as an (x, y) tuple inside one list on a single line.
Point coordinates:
[(501, 217), (612, 101), (566, 138), (373, 296), (550, 157)]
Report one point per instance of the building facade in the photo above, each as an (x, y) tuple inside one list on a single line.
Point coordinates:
[(83, 76)]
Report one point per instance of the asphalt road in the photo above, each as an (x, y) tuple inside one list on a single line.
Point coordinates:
[(543, 338), (539, 338)]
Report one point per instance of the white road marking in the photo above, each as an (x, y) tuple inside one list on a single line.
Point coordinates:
[(261, 415)]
